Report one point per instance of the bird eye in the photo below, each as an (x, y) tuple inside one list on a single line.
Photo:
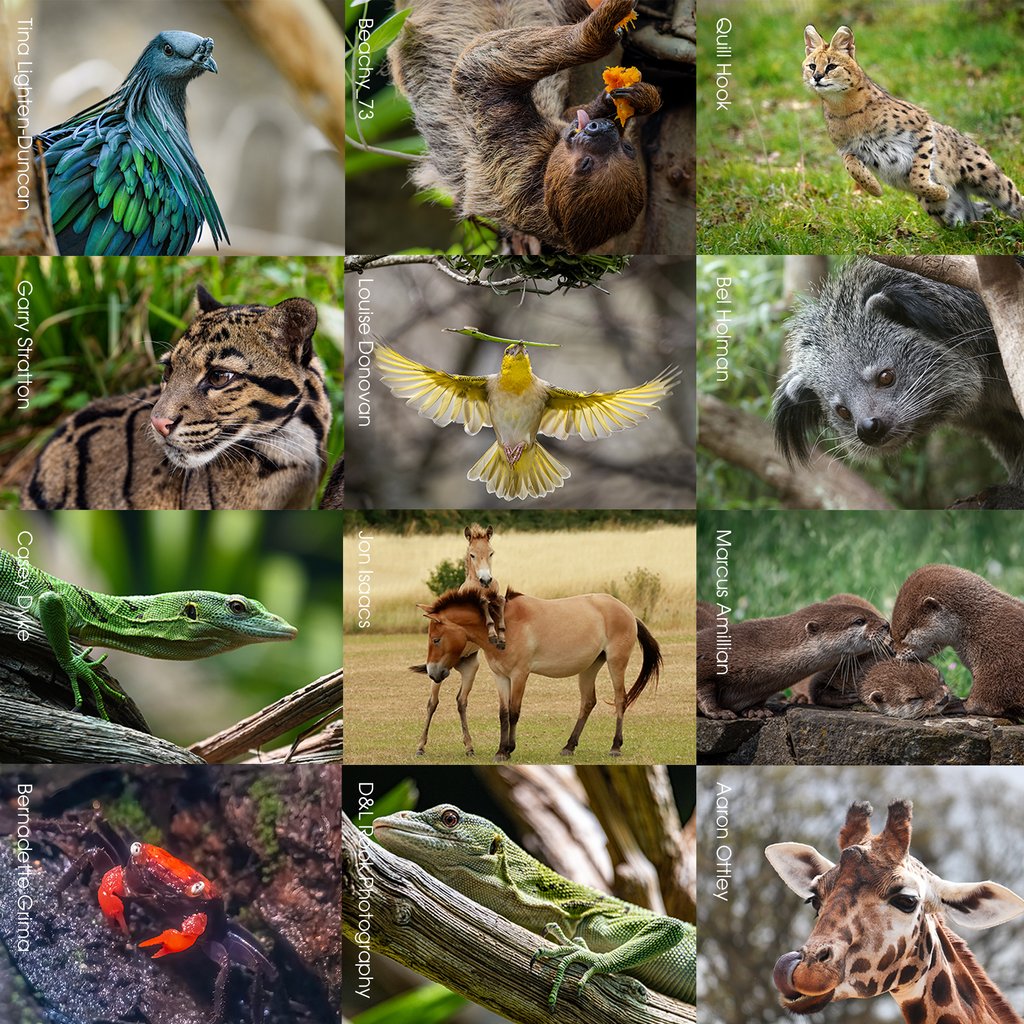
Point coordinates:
[(218, 378), (449, 818), (238, 607), (190, 611), (168, 49), (843, 413)]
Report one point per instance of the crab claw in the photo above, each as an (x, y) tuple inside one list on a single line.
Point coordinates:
[(110, 889), (172, 941)]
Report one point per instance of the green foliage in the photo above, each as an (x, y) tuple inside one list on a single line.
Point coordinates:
[(448, 575), (780, 562), (427, 1004), (439, 521), (770, 180)]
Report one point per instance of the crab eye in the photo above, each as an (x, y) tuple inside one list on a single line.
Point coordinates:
[(449, 818), (136, 849), (237, 606), (190, 611), (197, 888)]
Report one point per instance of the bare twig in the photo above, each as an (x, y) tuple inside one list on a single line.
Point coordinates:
[(321, 697), (326, 746)]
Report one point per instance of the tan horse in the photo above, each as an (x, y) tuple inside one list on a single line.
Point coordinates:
[(481, 582), (568, 636)]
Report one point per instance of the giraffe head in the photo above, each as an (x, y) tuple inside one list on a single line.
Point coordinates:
[(880, 917)]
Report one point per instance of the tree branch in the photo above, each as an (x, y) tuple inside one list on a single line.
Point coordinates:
[(394, 907), (322, 697)]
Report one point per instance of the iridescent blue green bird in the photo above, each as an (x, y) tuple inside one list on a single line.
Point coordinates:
[(123, 177)]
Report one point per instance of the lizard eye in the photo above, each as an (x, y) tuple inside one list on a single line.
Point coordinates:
[(190, 611), (237, 606), (449, 818), (494, 846)]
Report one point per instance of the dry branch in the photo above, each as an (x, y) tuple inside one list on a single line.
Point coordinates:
[(306, 44), (396, 908), (745, 440), (317, 699)]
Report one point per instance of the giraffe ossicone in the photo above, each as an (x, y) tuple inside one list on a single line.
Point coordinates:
[(881, 927)]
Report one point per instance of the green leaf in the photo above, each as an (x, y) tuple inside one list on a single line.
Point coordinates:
[(386, 33)]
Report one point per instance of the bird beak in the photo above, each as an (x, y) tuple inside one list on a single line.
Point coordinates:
[(204, 56), (208, 64)]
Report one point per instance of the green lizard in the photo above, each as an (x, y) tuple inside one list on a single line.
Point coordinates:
[(178, 626), (476, 858)]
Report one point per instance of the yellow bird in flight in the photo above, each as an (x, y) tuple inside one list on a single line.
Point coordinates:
[(518, 406)]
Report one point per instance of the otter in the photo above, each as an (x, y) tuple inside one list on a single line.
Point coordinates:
[(907, 689), (768, 655), (883, 356), (945, 606), (707, 614), (488, 84)]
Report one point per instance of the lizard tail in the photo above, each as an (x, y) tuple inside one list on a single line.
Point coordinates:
[(651, 666)]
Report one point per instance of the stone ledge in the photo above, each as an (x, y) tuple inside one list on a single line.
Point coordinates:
[(808, 735)]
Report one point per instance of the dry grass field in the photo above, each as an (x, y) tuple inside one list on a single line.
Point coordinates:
[(651, 570)]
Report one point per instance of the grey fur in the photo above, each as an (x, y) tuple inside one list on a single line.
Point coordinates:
[(938, 343)]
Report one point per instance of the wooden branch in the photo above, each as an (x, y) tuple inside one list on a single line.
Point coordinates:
[(746, 441), (394, 907), (1001, 281), (33, 733), (321, 697), (308, 47), (324, 747)]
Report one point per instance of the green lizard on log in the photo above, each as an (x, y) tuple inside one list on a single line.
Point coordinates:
[(180, 626), (606, 935)]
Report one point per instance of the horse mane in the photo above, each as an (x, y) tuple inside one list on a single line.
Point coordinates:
[(476, 532), (469, 598)]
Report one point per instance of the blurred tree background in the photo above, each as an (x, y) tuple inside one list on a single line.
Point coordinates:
[(289, 561), (99, 326), (946, 465), (967, 827)]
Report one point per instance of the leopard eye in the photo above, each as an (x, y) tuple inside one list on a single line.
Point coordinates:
[(219, 378), (449, 817), (238, 607), (190, 611), (843, 413), (886, 379)]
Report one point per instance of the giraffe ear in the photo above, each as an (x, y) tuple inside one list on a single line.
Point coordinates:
[(978, 904), (798, 865)]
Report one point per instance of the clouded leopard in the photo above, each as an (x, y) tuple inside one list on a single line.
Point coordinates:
[(878, 134), (239, 421)]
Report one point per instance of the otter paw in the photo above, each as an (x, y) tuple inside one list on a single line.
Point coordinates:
[(723, 715), (758, 713)]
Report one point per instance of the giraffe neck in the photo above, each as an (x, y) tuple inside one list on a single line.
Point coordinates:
[(954, 989)]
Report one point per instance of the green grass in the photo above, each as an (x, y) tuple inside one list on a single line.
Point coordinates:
[(386, 707), (782, 562), (770, 180)]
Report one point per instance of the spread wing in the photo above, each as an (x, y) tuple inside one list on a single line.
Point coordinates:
[(443, 397), (598, 413)]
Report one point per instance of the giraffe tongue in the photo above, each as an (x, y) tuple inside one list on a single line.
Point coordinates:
[(792, 998)]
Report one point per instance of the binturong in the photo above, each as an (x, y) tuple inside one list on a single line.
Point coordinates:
[(883, 356)]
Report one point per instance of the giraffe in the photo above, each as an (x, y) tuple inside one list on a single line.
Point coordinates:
[(881, 927)]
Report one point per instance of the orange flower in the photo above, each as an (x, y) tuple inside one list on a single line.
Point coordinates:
[(621, 78), (627, 21)]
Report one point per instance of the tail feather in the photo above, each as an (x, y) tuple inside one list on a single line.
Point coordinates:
[(536, 473)]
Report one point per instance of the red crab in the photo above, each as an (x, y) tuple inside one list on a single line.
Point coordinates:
[(169, 887)]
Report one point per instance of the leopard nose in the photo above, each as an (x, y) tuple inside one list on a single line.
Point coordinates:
[(161, 426)]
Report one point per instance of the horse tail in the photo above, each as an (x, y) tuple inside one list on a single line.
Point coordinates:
[(651, 666)]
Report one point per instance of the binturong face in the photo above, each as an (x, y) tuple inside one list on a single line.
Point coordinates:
[(594, 186)]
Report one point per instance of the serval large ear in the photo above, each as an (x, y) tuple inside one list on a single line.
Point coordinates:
[(811, 39), (843, 40), (798, 865), (978, 904), (894, 840), (857, 828)]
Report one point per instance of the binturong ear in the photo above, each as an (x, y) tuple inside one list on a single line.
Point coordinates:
[(811, 39), (978, 904), (796, 415), (798, 865)]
